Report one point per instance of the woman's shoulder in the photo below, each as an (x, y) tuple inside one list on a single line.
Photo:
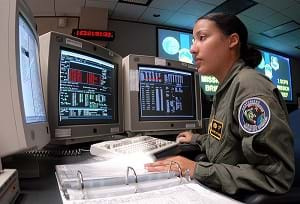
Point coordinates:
[(249, 76), (251, 82)]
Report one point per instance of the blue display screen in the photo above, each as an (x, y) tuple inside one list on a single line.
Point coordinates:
[(277, 69), (175, 45)]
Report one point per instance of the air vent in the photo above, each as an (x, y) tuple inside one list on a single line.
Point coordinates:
[(137, 2), (281, 29)]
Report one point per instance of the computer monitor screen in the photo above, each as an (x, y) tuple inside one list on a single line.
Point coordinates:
[(166, 94), (84, 89), (87, 89), (160, 95), (23, 120), (31, 85), (277, 68), (175, 45)]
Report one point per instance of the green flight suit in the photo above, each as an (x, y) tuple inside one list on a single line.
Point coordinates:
[(246, 160)]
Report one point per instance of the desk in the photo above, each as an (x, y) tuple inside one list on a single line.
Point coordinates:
[(44, 190)]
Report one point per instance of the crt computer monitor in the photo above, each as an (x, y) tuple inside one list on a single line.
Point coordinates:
[(23, 117), (83, 89), (160, 95)]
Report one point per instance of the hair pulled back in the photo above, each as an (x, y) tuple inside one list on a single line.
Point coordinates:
[(230, 24)]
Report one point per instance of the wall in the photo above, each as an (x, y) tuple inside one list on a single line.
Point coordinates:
[(133, 38), (46, 24)]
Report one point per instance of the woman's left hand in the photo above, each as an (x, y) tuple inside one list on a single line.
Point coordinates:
[(164, 165)]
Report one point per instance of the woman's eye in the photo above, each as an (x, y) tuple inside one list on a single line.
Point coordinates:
[(202, 37)]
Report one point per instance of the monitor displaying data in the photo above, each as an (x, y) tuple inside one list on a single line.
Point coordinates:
[(277, 69), (175, 45), (87, 89), (32, 94), (23, 117), (83, 89), (160, 95), (166, 94)]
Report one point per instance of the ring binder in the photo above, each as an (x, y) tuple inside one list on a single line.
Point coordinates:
[(80, 177), (127, 175), (97, 180), (179, 169)]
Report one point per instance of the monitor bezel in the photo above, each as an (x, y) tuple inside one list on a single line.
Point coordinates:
[(131, 93), (70, 134), (37, 134), (16, 133)]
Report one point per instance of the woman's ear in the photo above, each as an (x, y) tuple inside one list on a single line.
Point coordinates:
[(234, 40)]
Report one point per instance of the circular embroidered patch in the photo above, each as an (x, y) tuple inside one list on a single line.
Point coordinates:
[(254, 115)]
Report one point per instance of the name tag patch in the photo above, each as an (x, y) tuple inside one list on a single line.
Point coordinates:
[(254, 115), (215, 129)]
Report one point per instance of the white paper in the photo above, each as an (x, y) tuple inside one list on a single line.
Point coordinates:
[(181, 194)]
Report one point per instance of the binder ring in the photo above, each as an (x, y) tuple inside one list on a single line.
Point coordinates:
[(80, 177), (127, 177), (179, 169)]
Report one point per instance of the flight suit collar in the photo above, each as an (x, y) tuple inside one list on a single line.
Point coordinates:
[(234, 71)]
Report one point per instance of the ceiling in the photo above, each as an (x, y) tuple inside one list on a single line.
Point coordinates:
[(259, 18)]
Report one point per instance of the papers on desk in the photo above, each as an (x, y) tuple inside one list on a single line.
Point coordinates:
[(191, 193), (112, 182)]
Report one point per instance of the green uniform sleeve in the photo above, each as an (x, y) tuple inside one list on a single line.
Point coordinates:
[(269, 155), (199, 139)]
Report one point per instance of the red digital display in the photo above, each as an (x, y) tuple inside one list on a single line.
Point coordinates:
[(80, 76), (94, 34)]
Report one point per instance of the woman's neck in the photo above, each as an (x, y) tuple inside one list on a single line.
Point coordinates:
[(226, 69)]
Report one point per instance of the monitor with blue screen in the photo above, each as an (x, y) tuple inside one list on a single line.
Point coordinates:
[(277, 68)]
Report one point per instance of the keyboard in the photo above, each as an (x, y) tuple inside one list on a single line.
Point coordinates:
[(139, 144)]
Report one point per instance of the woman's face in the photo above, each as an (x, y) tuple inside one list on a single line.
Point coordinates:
[(210, 47)]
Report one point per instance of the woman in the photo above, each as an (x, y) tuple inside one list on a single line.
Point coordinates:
[(249, 144)]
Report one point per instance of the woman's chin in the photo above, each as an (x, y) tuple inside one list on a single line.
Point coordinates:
[(202, 71)]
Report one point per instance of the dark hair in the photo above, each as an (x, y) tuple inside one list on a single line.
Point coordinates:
[(230, 24)]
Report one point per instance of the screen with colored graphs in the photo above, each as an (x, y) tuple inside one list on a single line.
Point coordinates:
[(87, 91)]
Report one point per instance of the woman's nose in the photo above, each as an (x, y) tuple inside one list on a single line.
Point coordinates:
[(193, 48)]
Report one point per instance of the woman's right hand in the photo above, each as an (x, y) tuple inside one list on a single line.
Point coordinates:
[(184, 137)]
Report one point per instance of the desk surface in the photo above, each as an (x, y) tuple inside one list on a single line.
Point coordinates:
[(44, 189)]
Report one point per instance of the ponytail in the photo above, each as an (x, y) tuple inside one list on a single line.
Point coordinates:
[(251, 56)]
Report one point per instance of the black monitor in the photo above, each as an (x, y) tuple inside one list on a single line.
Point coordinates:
[(160, 95), (84, 89)]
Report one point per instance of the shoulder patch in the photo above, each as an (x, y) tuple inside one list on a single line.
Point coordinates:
[(254, 115)]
